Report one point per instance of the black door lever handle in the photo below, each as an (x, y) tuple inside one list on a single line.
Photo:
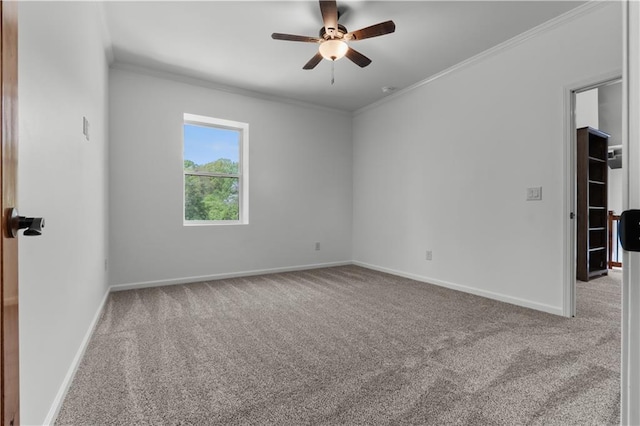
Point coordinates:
[(32, 225), (629, 230)]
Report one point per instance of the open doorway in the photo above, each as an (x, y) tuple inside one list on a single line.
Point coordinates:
[(595, 117), (598, 183)]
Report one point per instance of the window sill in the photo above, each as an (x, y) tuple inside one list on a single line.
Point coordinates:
[(213, 223)]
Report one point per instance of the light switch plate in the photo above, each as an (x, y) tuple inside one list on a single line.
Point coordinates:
[(534, 194), (85, 127)]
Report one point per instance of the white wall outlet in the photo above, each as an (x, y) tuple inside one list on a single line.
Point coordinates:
[(85, 127), (317, 246), (534, 194), (429, 255)]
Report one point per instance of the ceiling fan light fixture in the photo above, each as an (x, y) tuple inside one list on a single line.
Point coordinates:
[(332, 38), (333, 50)]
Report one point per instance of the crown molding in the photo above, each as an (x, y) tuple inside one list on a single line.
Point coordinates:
[(549, 25), (209, 84)]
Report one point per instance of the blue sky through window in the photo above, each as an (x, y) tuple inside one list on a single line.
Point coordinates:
[(204, 144)]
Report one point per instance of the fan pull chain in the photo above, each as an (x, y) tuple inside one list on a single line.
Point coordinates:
[(333, 80)]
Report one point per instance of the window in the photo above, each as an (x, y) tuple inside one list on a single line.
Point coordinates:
[(215, 171)]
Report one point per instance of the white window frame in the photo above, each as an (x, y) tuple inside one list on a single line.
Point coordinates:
[(243, 168)]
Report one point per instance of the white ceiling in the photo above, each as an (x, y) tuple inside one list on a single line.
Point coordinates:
[(229, 42)]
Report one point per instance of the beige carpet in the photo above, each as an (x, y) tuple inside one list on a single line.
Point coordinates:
[(346, 346)]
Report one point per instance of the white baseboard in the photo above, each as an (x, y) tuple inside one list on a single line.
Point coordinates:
[(68, 378), (196, 279), (556, 310)]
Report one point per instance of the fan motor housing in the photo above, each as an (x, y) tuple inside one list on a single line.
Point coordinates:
[(340, 32)]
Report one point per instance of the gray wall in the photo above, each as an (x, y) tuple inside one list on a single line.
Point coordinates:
[(63, 177), (299, 177), (464, 149), (610, 112)]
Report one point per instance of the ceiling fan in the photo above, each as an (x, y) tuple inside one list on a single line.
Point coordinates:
[(334, 37)]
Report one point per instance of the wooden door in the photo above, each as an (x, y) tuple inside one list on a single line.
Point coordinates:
[(9, 372)]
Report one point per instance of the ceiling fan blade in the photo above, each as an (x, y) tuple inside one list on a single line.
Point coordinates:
[(291, 37), (357, 58), (329, 10), (373, 31), (313, 62)]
